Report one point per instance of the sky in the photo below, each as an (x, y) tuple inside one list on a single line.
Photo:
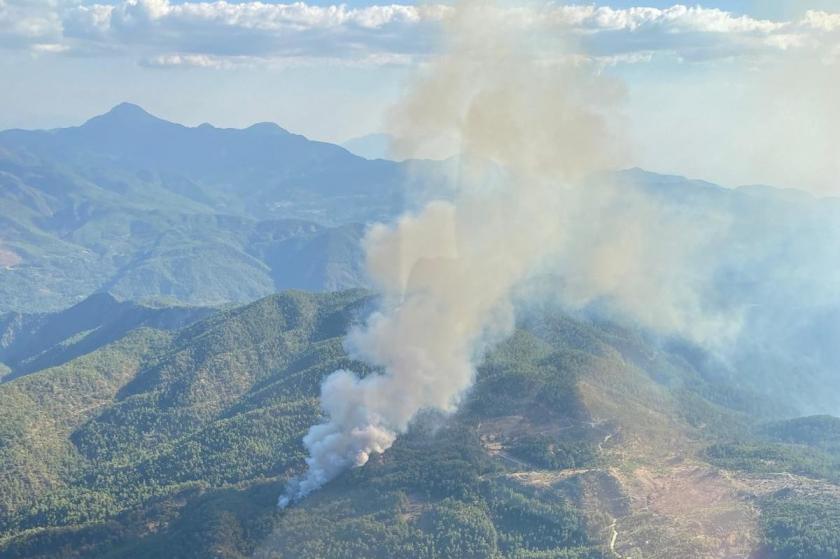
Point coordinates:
[(735, 92)]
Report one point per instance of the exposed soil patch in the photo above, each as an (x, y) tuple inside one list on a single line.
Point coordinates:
[(760, 485), (545, 478), (700, 507)]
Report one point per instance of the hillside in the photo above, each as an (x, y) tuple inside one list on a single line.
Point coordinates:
[(143, 414), (30, 342), (146, 208), (581, 439), (154, 211)]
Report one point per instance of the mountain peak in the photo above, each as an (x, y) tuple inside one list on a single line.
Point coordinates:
[(125, 114), (267, 128), (128, 112), (125, 108)]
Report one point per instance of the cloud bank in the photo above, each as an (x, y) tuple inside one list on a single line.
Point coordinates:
[(225, 34)]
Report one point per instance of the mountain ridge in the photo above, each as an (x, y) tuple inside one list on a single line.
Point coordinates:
[(39, 341), (166, 214), (575, 442)]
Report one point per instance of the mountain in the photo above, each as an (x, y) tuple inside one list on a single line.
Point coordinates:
[(145, 415), (144, 208), (580, 439), (263, 171), (763, 259), (30, 342)]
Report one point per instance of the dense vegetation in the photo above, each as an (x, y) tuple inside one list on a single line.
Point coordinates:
[(153, 412), (795, 524), (164, 438), (807, 446), (796, 527), (31, 342), (177, 443), (820, 431), (773, 458)]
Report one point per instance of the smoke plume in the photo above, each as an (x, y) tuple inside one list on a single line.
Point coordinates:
[(535, 129), (529, 124)]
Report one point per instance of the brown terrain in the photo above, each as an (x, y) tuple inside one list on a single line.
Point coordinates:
[(651, 496)]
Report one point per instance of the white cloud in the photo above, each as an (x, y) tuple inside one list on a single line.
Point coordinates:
[(195, 61), (49, 47), (28, 22), (676, 18), (180, 60), (252, 29), (204, 33), (254, 15), (822, 21)]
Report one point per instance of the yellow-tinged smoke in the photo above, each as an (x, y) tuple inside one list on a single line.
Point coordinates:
[(529, 125)]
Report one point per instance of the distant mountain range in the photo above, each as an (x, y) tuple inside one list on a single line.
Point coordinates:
[(145, 208), (151, 210), (162, 214), (263, 171)]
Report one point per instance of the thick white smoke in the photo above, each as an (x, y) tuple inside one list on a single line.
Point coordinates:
[(533, 126), (529, 127)]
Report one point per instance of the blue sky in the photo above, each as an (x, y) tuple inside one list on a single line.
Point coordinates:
[(727, 78)]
